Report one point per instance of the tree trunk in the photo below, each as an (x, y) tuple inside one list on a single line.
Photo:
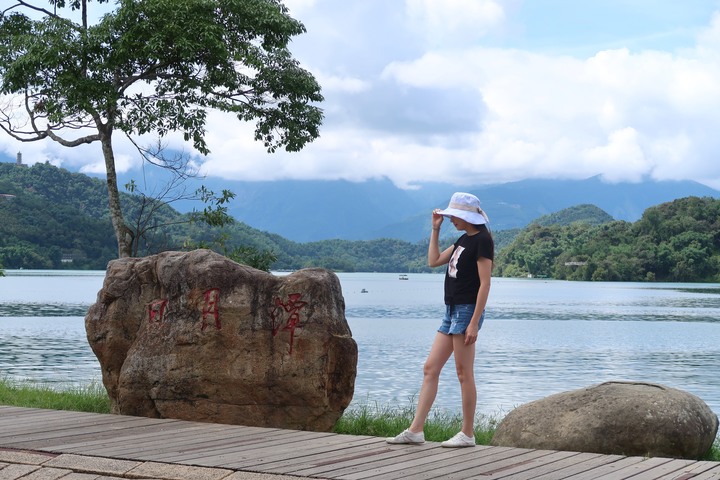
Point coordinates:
[(122, 232)]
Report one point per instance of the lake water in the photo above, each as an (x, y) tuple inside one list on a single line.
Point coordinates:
[(539, 337)]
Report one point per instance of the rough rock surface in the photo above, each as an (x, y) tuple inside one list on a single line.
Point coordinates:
[(624, 418), (196, 336)]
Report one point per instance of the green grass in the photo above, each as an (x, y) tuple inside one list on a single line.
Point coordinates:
[(92, 398), (367, 419), (386, 421), (714, 453)]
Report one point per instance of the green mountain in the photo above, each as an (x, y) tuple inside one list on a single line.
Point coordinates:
[(589, 214), (51, 218), (677, 241), (307, 211)]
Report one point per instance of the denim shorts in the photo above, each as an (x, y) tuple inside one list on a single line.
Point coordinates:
[(457, 318)]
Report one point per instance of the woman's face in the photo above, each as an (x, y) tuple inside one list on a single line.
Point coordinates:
[(459, 223)]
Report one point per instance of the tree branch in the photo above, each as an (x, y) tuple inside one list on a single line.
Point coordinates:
[(23, 3), (73, 143), (179, 165)]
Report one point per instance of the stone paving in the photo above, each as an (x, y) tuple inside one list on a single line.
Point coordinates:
[(30, 465)]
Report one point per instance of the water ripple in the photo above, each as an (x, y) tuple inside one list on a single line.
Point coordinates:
[(43, 309), (538, 338)]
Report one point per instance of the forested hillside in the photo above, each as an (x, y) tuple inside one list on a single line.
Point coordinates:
[(57, 219), (53, 214), (677, 242)]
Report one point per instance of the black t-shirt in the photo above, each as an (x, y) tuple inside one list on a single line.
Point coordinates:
[(462, 280)]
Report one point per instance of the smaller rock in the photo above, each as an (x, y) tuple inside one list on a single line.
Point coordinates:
[(621, 418)]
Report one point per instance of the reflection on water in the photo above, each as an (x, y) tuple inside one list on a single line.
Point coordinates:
[(47, 350), (43, 309), (539, 337), (524, 360)]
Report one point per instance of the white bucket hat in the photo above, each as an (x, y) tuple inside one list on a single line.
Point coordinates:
[(465, 206)]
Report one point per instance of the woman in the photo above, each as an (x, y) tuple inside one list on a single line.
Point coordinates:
[(467, 285)]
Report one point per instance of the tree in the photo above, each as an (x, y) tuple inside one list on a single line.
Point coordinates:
[(153, 67)]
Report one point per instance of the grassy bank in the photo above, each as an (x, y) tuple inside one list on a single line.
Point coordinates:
[(92, 398), (384, 421), (368, 419)]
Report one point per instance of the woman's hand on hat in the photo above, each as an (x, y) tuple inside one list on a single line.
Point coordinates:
[(437, 219)]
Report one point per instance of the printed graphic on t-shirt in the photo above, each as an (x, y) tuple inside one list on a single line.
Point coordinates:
[(452, 266)]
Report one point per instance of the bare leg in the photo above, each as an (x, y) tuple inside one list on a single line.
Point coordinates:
[(464, 361), (440, 352)]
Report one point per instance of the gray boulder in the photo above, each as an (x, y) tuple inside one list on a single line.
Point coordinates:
[(196, 336), (623, 418)]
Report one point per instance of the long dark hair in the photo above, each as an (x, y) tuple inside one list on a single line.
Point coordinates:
[(484, 229)]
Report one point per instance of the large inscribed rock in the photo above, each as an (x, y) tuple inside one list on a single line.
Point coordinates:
[(196, 336), (624, 418)]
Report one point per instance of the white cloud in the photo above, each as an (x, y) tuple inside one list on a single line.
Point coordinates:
[(622, 154), (562, 116), (431, 90), (451, 22), (341, 83)]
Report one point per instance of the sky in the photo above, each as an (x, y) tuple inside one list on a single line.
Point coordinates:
[(474, 92)]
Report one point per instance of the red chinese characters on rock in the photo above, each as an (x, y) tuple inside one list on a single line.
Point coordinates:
[(211, 311), (289, 310), (156, 311)]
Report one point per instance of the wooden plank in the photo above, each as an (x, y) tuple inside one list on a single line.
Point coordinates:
[(690, 471), (378, 465), (710, 474), (201, 447), (500, 468), (52, 421), (315, 451), (286, 462), (48, 420), (59, 436), (83, 427), (361, 454), (207, 454), (150, 446), (38, 414), (578, 466), (352, 461), (194, 448), (608, 468), (10, 408), (134, 442), (256, 450), (481, 466), (539, 466), (674, 467), (253, 460), (437, 459), (327, 455), (645, 468), (86, 438), (453, 466)]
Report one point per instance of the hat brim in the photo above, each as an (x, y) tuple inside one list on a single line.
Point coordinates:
[(473, 218)]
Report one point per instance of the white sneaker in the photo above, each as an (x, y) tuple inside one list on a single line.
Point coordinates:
[(408, 437), (459, 440)]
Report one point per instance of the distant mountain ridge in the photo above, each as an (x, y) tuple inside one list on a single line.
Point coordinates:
[(305, 211), (315, 210)]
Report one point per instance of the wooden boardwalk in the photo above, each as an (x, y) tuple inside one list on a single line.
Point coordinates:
[(312, 454)]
